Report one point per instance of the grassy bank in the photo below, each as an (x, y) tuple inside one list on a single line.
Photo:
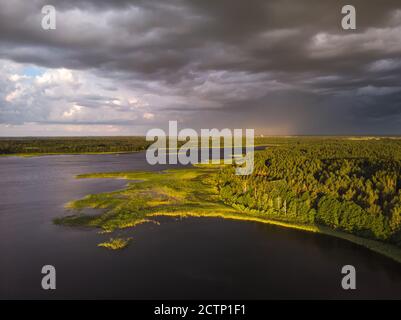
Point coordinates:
[(178, 193)]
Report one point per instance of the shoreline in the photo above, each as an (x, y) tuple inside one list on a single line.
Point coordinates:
[(387, 250), (33, 154)]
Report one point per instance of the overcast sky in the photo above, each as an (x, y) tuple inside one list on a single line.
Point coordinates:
[(122, 67)]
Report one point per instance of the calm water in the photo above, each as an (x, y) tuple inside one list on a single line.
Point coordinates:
[(189, 258)]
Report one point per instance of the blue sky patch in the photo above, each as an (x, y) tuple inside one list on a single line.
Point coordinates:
[(33, 71)]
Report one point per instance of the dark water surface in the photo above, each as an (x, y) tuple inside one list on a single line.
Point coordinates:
[(188, 258)]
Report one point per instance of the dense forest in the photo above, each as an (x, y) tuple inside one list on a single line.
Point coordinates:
[(72, 145), (349, 185)]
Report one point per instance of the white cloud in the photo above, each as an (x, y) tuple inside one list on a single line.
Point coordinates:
[(385, 40), (74, 110), (385, 65), (56, 76), (148, 116), (17, 77), (67, 96), (12, 95)]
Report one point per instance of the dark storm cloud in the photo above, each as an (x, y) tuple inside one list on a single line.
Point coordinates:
[(256, 62)]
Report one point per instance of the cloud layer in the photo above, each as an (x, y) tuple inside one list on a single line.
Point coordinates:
[(122, 67)]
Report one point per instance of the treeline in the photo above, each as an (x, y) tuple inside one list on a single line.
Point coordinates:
[(80, 144), (353, 186), (72, 145), (119, 144)]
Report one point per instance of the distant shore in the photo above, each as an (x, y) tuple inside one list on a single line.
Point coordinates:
[(30, 155)]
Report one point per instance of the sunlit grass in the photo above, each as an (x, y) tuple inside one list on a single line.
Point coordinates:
[(115, 243)]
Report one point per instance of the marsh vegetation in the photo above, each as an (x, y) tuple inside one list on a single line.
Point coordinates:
[(115, 243)]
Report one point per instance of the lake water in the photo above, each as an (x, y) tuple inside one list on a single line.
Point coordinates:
[(180, 258)]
